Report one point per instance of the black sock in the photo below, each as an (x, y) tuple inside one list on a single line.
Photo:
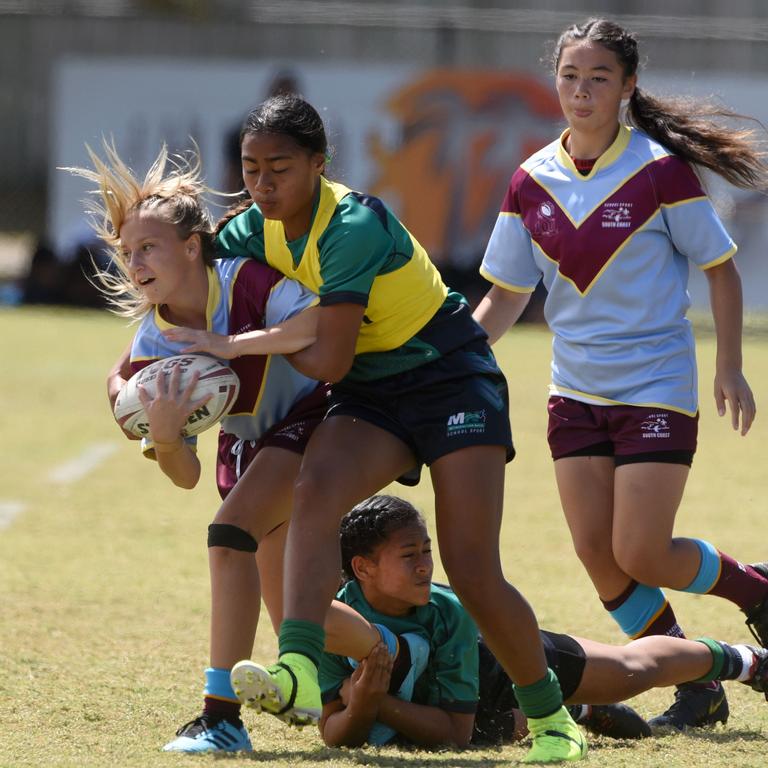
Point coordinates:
[(220, 709)]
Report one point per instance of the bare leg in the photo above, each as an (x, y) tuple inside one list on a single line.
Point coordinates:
[(346, 461), (617, 672), (647, 497), (347, 633), (260, 501), (269, 559), (469, 492), (586, 486)]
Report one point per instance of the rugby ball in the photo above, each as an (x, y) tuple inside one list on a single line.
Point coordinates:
[(215, 379)]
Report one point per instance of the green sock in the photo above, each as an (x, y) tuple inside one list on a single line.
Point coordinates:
[(729, 662), (542, 698), (718, 659), (304, 637)]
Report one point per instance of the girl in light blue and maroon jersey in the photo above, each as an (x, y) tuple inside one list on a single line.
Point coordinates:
[(166, 275), (610, 216)]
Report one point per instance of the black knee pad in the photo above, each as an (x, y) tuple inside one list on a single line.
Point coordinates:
[(231, 536)]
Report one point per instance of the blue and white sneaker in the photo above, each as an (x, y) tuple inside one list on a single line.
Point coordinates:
[(208, 734), (419, 649)]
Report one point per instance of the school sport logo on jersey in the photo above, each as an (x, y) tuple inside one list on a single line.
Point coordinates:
[(545, 222), (656, 426), (617, 216), (465, 423)]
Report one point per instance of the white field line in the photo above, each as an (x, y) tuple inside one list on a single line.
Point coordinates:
[(63, 474), (9, 511), (75, 469)]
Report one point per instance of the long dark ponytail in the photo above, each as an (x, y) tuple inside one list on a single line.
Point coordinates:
[(696, 130)]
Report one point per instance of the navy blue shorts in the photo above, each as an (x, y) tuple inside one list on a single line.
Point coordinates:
[(457, 401), (494, 720)]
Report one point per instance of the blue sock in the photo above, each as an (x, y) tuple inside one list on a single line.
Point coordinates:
[(217, 684), (636, 608), (709, 569)]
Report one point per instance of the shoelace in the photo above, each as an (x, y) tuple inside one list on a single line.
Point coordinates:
[(199, 725)]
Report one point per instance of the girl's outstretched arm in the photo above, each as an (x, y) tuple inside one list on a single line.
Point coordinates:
[(330, 357), (730, 384), (291, 335), (499, 309)]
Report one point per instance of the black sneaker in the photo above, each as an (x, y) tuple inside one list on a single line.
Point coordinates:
[(694, 707), (759, 679), (757, 617), (616, 721)]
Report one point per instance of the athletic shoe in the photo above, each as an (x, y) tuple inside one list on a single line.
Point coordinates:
[(759, 679), (210, 734), (288, 690), (757, 617), (418, 648), (694, 707), (616, 721), (555, 739)]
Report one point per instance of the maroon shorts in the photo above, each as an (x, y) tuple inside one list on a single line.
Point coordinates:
[(630, 433), (292, 434)]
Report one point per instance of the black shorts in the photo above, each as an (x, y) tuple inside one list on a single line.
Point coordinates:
[(457, 401), (494, 723)]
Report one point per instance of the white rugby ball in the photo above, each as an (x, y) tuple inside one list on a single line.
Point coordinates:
[(216, 379)]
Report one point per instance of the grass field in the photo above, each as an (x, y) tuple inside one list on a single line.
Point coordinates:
[(103, 569)]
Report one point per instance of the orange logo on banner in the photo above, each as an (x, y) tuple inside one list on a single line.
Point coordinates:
[(462, 134)]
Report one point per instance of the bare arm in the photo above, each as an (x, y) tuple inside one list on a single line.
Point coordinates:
[(426, 726), (347, 722), (292, 335), (364, 699), (330, 357), (730, 385), (117, 376), (499, 309)]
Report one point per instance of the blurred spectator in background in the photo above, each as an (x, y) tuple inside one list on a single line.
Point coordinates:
[(66, 278)]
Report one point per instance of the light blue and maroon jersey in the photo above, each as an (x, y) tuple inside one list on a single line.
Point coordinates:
[(243, 295), (613, 248)]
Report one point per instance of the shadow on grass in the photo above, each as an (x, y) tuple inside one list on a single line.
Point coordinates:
[(372, 756), (724, 736)]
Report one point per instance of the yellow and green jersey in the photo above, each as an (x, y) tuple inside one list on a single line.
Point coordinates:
[(357, 252)]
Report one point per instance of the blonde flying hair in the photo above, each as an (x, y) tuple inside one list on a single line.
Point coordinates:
[(175, 196)]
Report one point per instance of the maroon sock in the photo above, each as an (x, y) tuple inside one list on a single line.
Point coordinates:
[(221, 708), (664, 624), (741, 584)]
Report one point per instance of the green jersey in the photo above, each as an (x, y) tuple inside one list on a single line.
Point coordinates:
[(450, 680), (356, 251)]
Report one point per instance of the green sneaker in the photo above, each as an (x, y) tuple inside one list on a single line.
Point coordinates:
[(288, 689), (555, 739)]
